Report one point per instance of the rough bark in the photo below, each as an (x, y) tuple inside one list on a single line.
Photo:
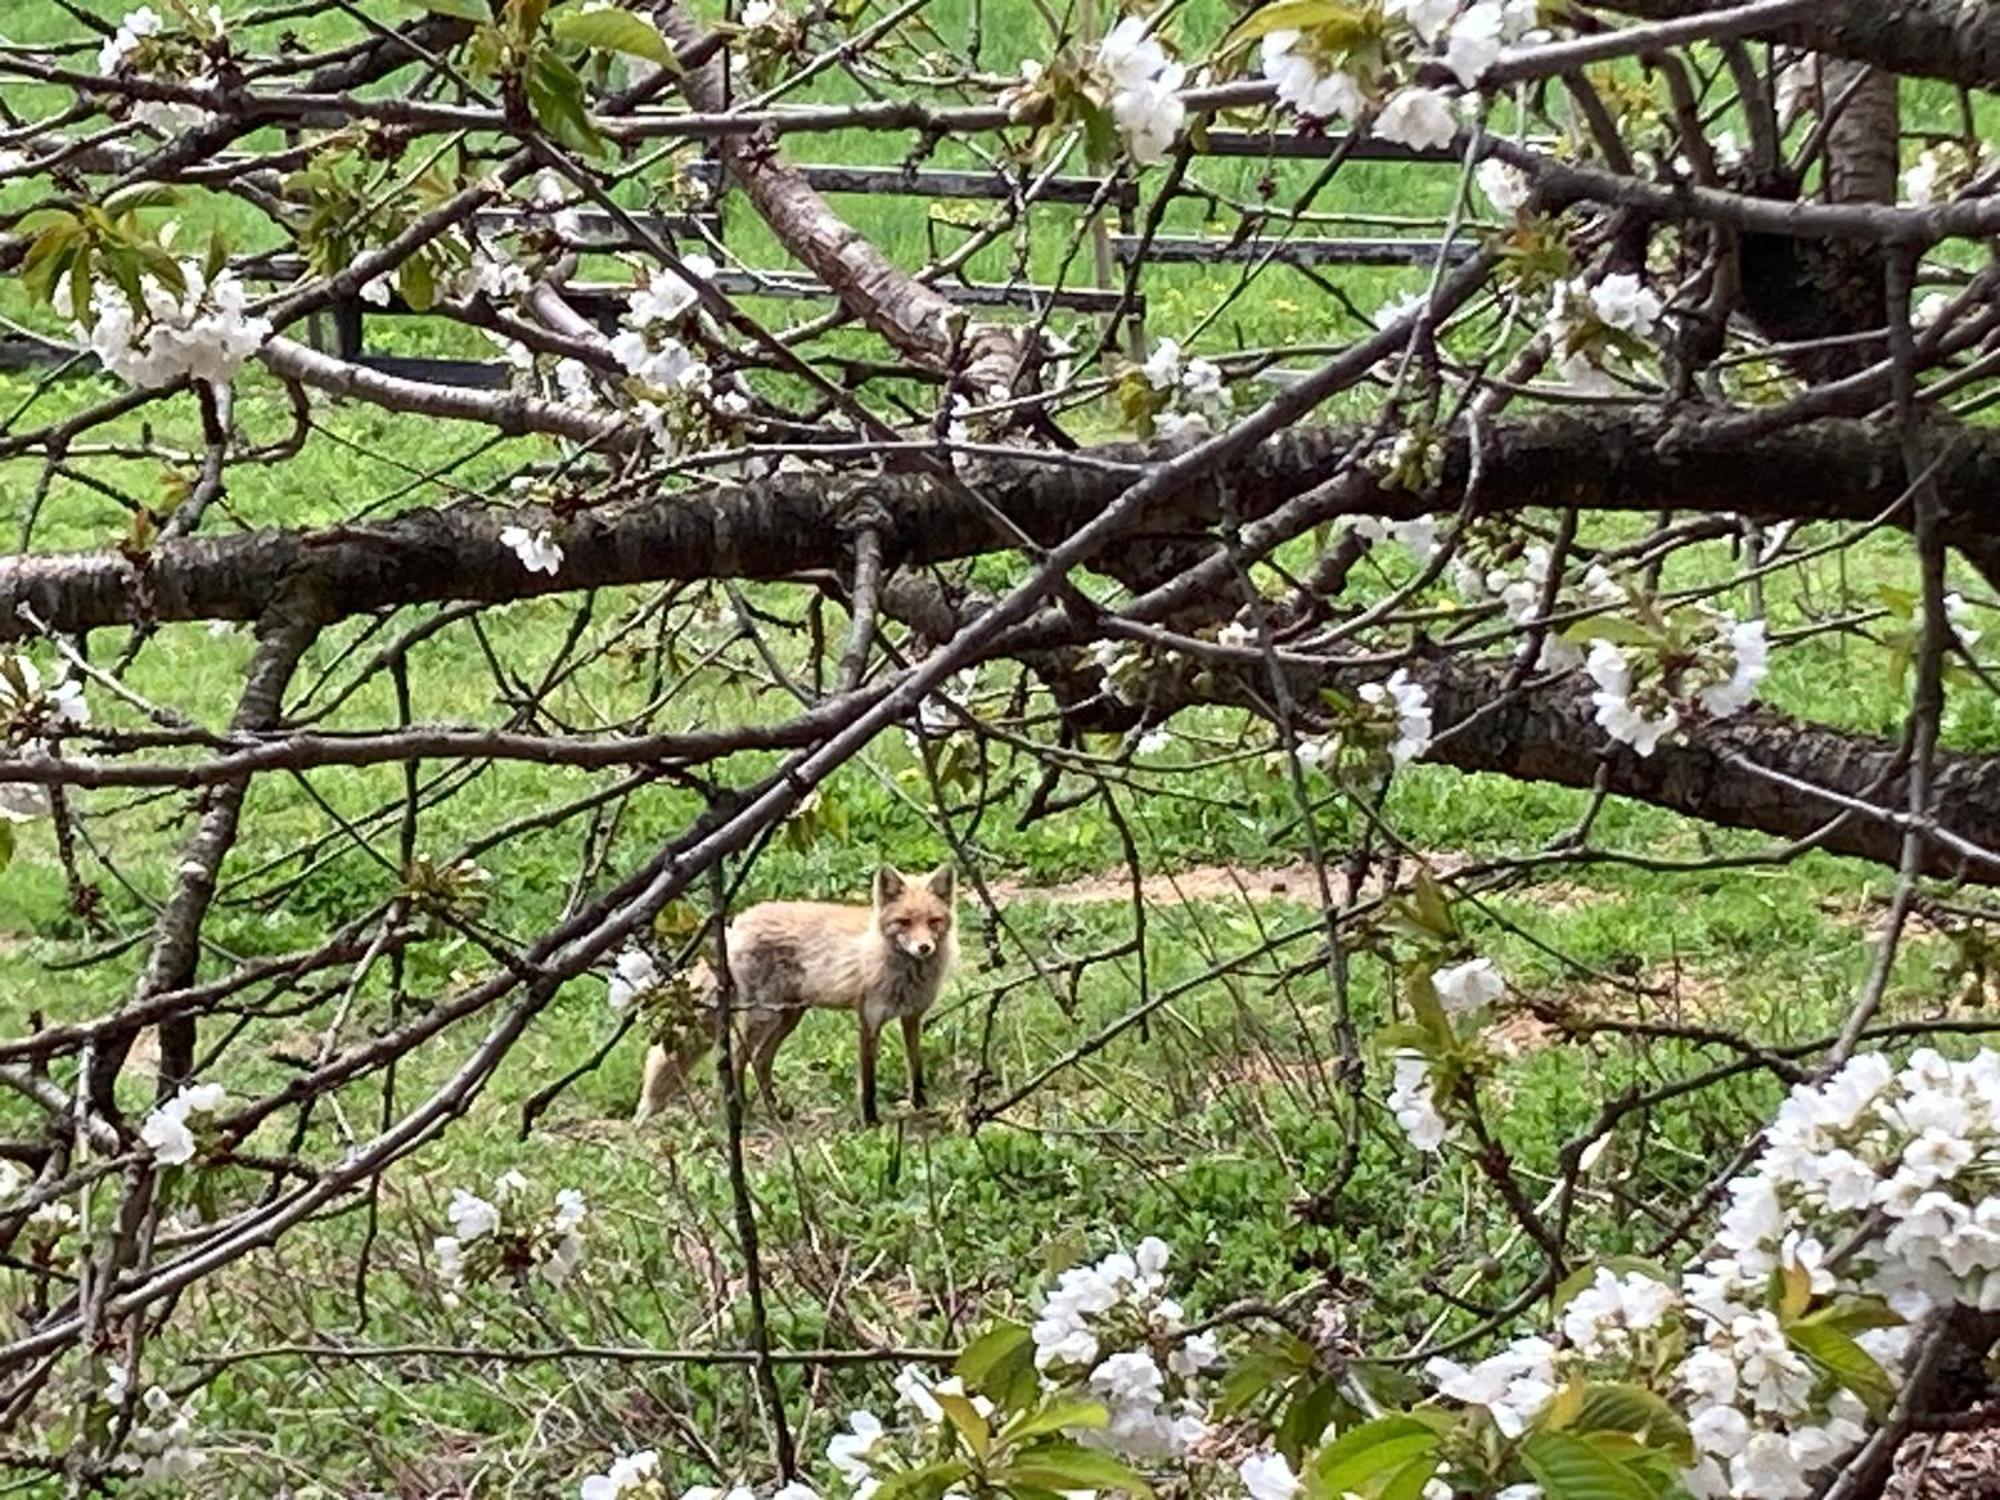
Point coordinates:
[(1833, 469), (920, 322), (1949, 39), (1803, 290), (286, 632)]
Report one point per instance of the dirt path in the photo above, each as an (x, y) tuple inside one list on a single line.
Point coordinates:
[(1292, 882)]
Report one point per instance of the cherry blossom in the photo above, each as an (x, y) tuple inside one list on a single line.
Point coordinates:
[(1623, 720), (204, 331), (1506, 186), (1411, 702), (1143, 83), (1266, 1476), (1413, 1102), (1316, 95), (1419, 118), (631, 1472), (1469, 986), (538, 552), (166, 1131), (633, 975)]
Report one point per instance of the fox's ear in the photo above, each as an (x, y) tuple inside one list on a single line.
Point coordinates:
[(942, 882), (889, 884)]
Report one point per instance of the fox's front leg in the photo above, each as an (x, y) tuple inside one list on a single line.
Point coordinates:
[(871, 1037), (913, 1057)]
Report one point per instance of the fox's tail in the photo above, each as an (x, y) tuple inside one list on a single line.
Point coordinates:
[(667, 1066)]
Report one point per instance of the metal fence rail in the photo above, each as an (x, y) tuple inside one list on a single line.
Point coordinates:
[(1121, 258)]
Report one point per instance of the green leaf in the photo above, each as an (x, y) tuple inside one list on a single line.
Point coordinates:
[(1060, 1413), (1897, 601), (1794, 1291), (1294, 15), (1852, 1315), (1100, 137), (460, 10), (617, 31), (926, 1483), (122, 266), (1620, 632), (161, 265), (54, 251), (965, 1417), (1368, 1452), (141, 195), (1569, 1468), (1637, 1413), (1408, 1482), (1430, 1014), (217, 257), (1432, 908), (556, 94), (1065, 1466), (1307, 1416), (1839, 1356), (416, 283), (6, 844), (1262, 1369), (994, 1356), (79, 284)]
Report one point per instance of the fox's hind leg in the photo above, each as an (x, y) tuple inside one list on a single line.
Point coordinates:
[(764, 1033)]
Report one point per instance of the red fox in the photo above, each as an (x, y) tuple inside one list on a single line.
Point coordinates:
[(883, 961)]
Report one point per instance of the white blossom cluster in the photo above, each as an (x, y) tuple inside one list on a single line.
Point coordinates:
[(1517, 587), (1400, 706), (1418, 535), (138, 49), (1893, 1169), (942, 709), (1410, 703), (1896, 1168), (1142, 85), (488, 1233), (163, 1437), (1126, 665), (634, 975), (1594, 327), (1461, 989), (637, 1476), (162, 1433), (1321, 80), (1730, 659), (167, 1132), (1112, 1329), (1192, 389), (488, 273), (205, 331), (1413, 1101), (48, 1222), (1942, 171), (867, 1452), (1506, 187), (1615, 1327)]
